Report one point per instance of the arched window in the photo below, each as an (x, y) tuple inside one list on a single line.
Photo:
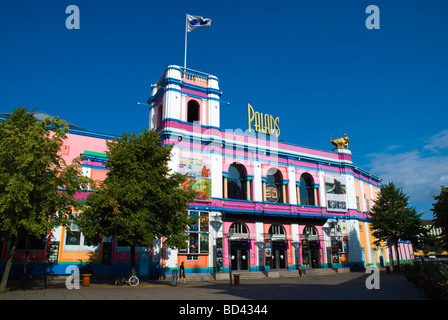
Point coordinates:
[(306, 190), (238, 228), (310, 231), (236, 182), (193, 111), (274, 185), (277, 230)]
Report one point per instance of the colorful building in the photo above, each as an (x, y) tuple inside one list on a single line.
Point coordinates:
[(262, 204)]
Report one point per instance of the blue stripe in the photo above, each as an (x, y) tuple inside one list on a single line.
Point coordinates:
[(349, 215)]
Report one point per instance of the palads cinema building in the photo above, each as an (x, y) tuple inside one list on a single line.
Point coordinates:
[(262, 205)]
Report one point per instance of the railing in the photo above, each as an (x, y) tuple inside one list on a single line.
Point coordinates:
[(194, 78), (186, 74)]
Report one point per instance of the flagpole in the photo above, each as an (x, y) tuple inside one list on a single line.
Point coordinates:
[(185, 55)]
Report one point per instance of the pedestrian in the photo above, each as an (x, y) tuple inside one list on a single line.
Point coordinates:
[(299, 267), (182, 272)]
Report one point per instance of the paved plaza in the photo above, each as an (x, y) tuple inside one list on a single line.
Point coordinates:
[(309, 295), (338, 286)]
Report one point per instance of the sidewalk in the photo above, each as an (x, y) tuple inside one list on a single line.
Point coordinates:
[(342, 286)]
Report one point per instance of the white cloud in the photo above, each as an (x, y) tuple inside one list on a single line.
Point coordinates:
[(438, 142), (420, 172)]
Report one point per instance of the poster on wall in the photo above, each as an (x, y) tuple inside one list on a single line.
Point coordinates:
[(272, 194), (197, 170), (335, 190), (53, 252)]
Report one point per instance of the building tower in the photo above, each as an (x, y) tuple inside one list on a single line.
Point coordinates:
[(184, 109), (184, 95)]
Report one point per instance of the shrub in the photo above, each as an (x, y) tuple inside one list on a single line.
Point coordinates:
[(431, 277)]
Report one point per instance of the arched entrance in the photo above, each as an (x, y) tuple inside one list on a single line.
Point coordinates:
[(239, 246), (278, 252)]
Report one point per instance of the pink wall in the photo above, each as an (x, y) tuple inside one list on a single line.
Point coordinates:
[(75, 145)]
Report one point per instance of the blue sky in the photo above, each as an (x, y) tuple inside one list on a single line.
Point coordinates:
[(314, 64)]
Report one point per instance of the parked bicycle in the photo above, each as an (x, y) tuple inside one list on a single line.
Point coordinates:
[(131, 280)]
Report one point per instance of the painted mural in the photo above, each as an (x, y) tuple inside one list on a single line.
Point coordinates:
[(197, 169)]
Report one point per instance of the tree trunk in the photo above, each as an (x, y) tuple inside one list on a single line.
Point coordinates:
[(398, 256), (133, 260), (391, 255), (9, 265), (25, 263)]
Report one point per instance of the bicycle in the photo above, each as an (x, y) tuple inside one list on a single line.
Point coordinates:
[(131, 280)]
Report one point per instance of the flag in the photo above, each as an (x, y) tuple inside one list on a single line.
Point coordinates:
[(194, 22)]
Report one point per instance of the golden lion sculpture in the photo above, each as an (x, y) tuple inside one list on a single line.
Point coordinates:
[(341, 143)]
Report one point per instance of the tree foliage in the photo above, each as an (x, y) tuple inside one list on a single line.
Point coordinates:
[(440, 214), (392, 219), (32, 174), (140, 200)]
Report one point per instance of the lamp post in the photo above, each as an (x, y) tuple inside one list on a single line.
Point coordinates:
[(229, 254), (227, 235)]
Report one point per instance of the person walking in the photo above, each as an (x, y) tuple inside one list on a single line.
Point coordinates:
[(299, 267), (182, 272)]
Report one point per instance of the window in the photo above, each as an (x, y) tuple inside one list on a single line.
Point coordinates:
[(310, 231), (306, 190), (236, 182), (73, 235), (277, 230), (199, 234), (159, 115), (238, 228), (76, 241), (367, 203), (358, 206), (193, 111), (274, 185)]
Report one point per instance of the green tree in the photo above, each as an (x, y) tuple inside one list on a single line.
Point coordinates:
[(140, 200), (392, 219), (431, 243), (32, 173), (440, 214)]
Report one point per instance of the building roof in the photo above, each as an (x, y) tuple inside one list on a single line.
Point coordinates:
[(40, 115)]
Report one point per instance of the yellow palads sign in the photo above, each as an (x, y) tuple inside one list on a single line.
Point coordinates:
[(262, 123)]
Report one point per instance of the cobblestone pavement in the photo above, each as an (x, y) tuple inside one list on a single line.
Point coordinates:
[(343, 286)]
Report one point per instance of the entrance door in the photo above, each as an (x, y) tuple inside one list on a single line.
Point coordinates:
[(278, 255), (314, 254), (239, 254), (107, 253), (144, 264)]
